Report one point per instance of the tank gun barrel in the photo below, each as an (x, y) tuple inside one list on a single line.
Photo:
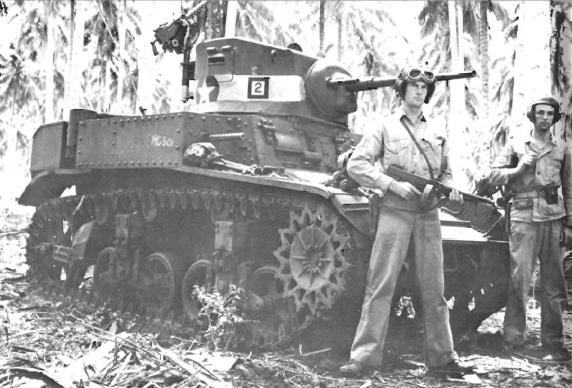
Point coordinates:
[(227, 136), (360, 84)]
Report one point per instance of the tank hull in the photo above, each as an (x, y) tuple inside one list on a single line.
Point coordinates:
[(207, 228)]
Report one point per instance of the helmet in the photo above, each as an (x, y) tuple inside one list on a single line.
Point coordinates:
[(412, 75), (545, 101)]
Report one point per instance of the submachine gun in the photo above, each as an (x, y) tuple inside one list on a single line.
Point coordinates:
[(481, 212)]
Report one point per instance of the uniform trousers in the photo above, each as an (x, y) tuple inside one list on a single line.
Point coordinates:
[(396, 229), (528, 241)]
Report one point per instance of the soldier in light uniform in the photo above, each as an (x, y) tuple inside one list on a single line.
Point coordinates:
[(534, 170), (404, 221)]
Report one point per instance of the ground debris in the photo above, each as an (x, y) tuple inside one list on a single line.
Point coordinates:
[(60, 344)]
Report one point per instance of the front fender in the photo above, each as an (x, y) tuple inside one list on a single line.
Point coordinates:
[(49, 184)]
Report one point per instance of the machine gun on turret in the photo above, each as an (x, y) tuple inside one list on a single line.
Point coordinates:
[(332, 89), (179, 36), (361, 84)]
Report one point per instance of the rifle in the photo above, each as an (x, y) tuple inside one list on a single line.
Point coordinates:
[(482, 213)]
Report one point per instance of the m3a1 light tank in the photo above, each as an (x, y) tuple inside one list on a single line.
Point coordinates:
[(233, 191)]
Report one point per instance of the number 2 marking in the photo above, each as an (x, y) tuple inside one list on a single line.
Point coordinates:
[(258, 87)]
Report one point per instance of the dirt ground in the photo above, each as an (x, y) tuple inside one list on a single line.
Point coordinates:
[(57, 342)]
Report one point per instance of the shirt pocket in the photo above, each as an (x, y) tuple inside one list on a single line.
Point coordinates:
[(396, 152), (553, 209), (551, 164)]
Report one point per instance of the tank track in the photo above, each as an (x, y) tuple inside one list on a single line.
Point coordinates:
[(288, 297)]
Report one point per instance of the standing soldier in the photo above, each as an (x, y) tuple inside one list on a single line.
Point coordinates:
[(540, 215), (406, 140)]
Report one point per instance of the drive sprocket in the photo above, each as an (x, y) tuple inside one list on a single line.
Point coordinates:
[(313, 258)]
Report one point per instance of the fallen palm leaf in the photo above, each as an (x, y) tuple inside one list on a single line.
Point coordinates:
[(35, 373)]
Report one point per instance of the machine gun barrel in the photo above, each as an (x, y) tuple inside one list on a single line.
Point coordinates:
[(360, 84), (227, 136)]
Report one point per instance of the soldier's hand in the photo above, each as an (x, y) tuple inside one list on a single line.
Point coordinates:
[(566, 236), (455, 201), (404, 189), (525, 161)]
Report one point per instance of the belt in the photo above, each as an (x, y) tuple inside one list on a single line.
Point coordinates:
[(528, 194), (532, 194)]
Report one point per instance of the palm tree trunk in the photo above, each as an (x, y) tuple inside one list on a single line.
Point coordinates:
[(532, 62), (460, 38), (11, 157), (321, 25), (484, 53), (101, 83), (216, 16), (560, 62), (69, 84), (107, 87), (453, 41), (456, 96), (145, 62), (121, 16), (231, 14), (339, 16), (49, 65), (340, 37), (76, 61)]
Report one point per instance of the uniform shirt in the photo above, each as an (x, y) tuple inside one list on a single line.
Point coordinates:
[(390, 144), (552, 168)]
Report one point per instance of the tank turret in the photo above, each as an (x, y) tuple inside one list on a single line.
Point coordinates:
[(240, 75)]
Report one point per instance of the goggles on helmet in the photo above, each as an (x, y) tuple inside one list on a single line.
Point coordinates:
[(420, 75)]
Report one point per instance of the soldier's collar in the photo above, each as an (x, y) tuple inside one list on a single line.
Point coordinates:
[(530, 139), (404, 114)]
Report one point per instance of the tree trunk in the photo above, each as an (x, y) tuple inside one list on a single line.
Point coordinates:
[(456, 97), (340, 37), (145, 62), (484, 53), (231, 14), (460, 40), (561, 62), (11, 172), (69, 83), (101, 83), (49, 65), (121, 54), (532, 62), (76, 62), (107, 87), (216, 18), (321, 25)]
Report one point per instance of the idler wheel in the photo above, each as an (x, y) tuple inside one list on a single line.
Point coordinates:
[(200, 275), (160, 281), (50, 228)]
